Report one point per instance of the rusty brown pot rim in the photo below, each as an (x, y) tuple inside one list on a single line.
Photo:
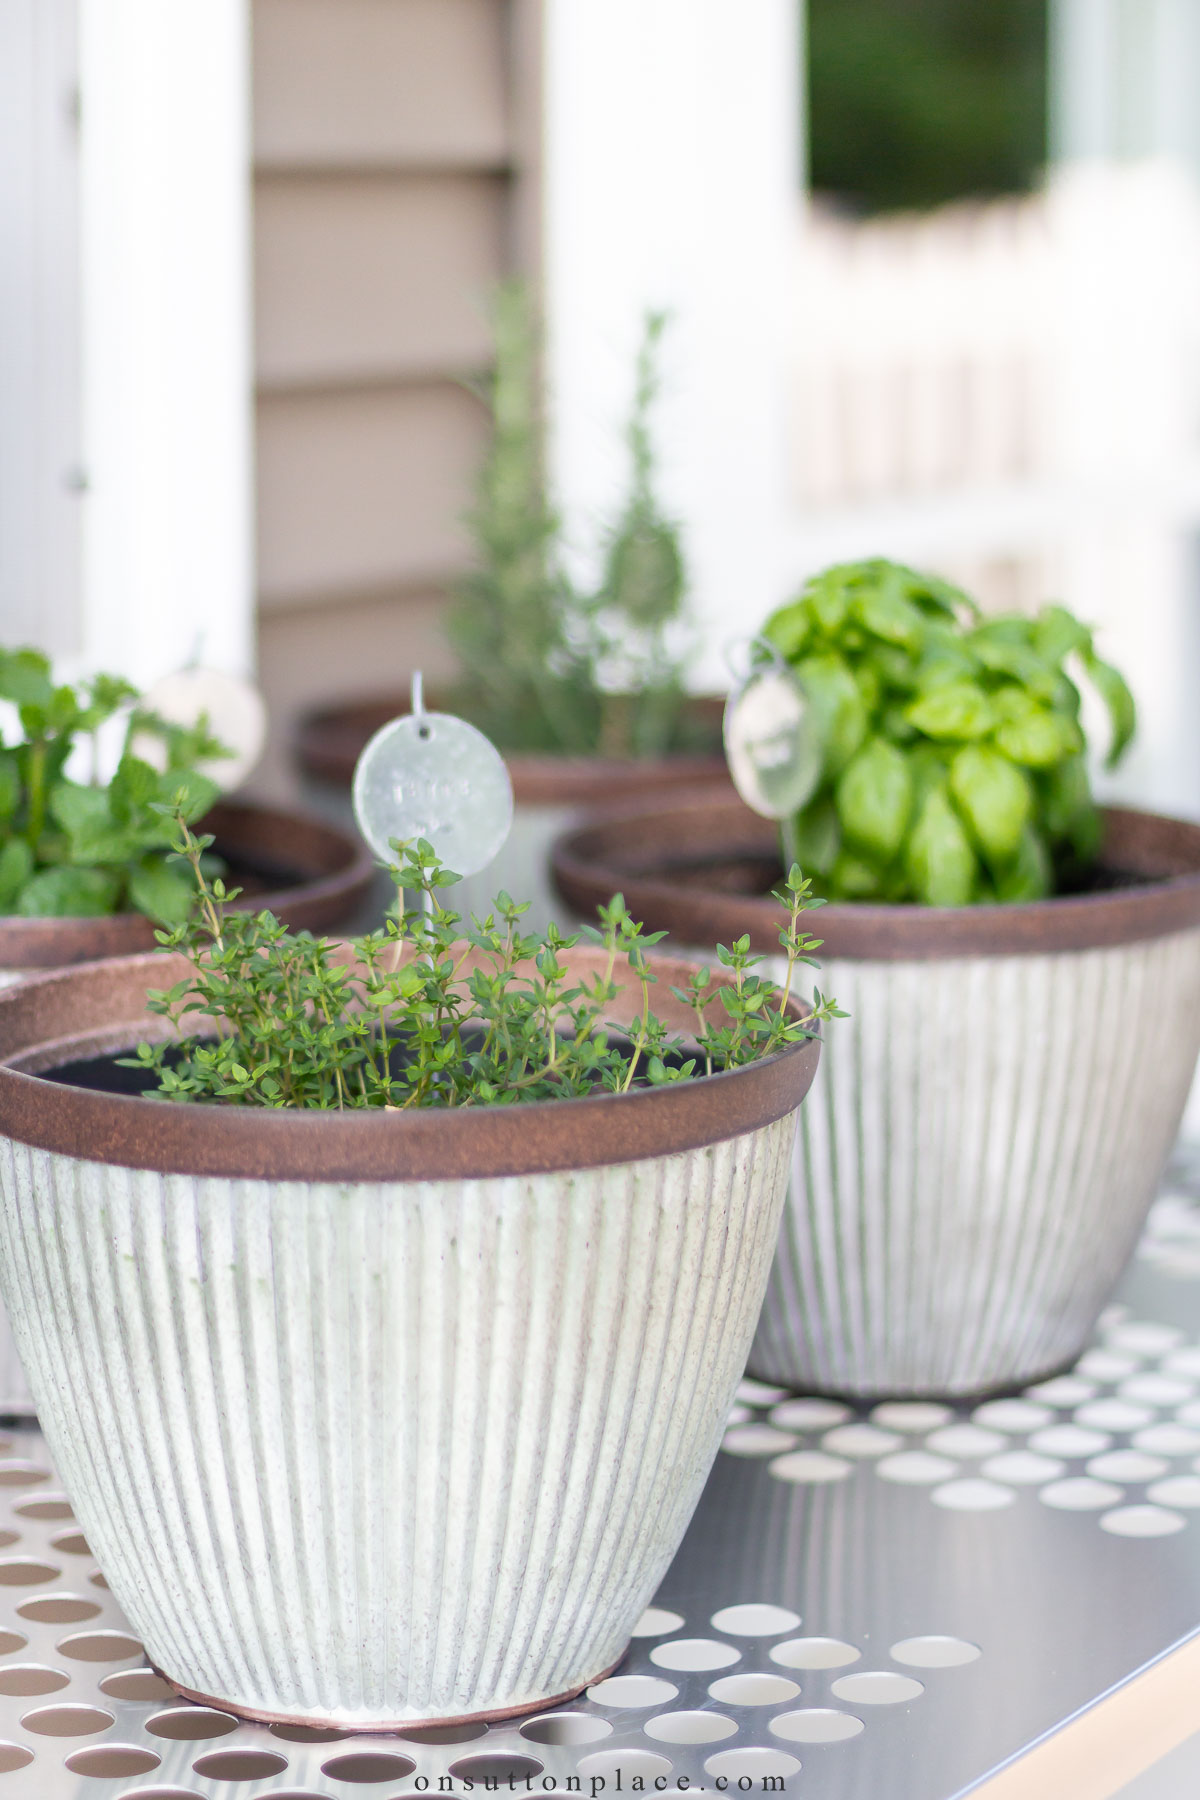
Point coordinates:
[(100, 1009), (329, 741), (654, 854), (335, 872)]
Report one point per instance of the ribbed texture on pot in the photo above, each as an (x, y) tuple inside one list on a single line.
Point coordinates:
[(974, 1163), (15, 1396), (381, 1453), (14, 1389)]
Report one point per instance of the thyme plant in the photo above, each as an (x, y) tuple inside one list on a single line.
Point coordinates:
[(436, 1011)]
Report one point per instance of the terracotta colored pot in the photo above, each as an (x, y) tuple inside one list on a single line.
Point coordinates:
[(989, 1124), (381, 1418), (549, 792), (309, 873)]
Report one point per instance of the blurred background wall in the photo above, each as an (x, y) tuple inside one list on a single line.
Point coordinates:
[(934, 273)]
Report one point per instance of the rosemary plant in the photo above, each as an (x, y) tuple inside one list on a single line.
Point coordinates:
[(436, 1011), (547, 666), (525, 677)]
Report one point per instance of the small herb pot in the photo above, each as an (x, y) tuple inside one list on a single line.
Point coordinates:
[(990, 1122), (549, 792), (382, 1418), (309, 874)]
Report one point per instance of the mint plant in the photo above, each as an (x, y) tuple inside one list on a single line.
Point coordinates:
[(437, 1011), (72, 848), (953, 756)]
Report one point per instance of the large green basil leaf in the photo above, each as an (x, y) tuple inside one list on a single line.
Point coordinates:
[(828, 596), (994, 797), (1040, 738), (941, 865), (855, 878), (1068, 813), (896, 667), (943, 664), (790, 629), (838, 710), (1029, 875), (961, 709), (1065, 792), (870, 684), (1009, 701), (1113, 689), (1017, 660), (938, 597), (1056, 633), (884, 610), (874, 799), (816, 836)]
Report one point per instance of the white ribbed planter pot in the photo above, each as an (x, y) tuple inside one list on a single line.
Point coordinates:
[(369, 1452), (975, 1164), (328, 873), (988, 1126)]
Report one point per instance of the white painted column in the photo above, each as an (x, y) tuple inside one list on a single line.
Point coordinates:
[(1123, 79), (672, 132), (39, 326), (165, 336)]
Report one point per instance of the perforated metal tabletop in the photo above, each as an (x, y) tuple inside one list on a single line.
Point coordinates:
[(890, 1604)]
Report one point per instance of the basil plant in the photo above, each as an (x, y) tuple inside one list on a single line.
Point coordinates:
[(953, 760)]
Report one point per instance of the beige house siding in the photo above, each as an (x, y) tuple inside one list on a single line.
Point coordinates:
[(390, 193)]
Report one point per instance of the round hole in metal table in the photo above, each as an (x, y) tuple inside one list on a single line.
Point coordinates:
[(191, 1724), (373, 1766)]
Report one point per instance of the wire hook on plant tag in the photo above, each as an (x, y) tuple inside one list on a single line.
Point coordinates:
[(431, 775), (771, 741)]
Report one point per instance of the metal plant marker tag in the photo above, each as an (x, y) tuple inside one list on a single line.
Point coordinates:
[(431, 775), (233, 707), (771, 742)]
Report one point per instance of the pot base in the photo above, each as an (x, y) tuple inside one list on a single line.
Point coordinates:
[(867, 1397), (323, 1722)]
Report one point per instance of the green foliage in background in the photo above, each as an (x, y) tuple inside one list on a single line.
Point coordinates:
[(953, 759), (545, 666), (525, 679), (913, 103), (441, 1012), (69, 848)]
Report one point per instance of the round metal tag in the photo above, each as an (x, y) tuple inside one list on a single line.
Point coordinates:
[(431, 775), (771, 743), (234, 708)]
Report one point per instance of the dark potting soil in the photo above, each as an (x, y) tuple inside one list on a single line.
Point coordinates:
[(106, 1075)]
